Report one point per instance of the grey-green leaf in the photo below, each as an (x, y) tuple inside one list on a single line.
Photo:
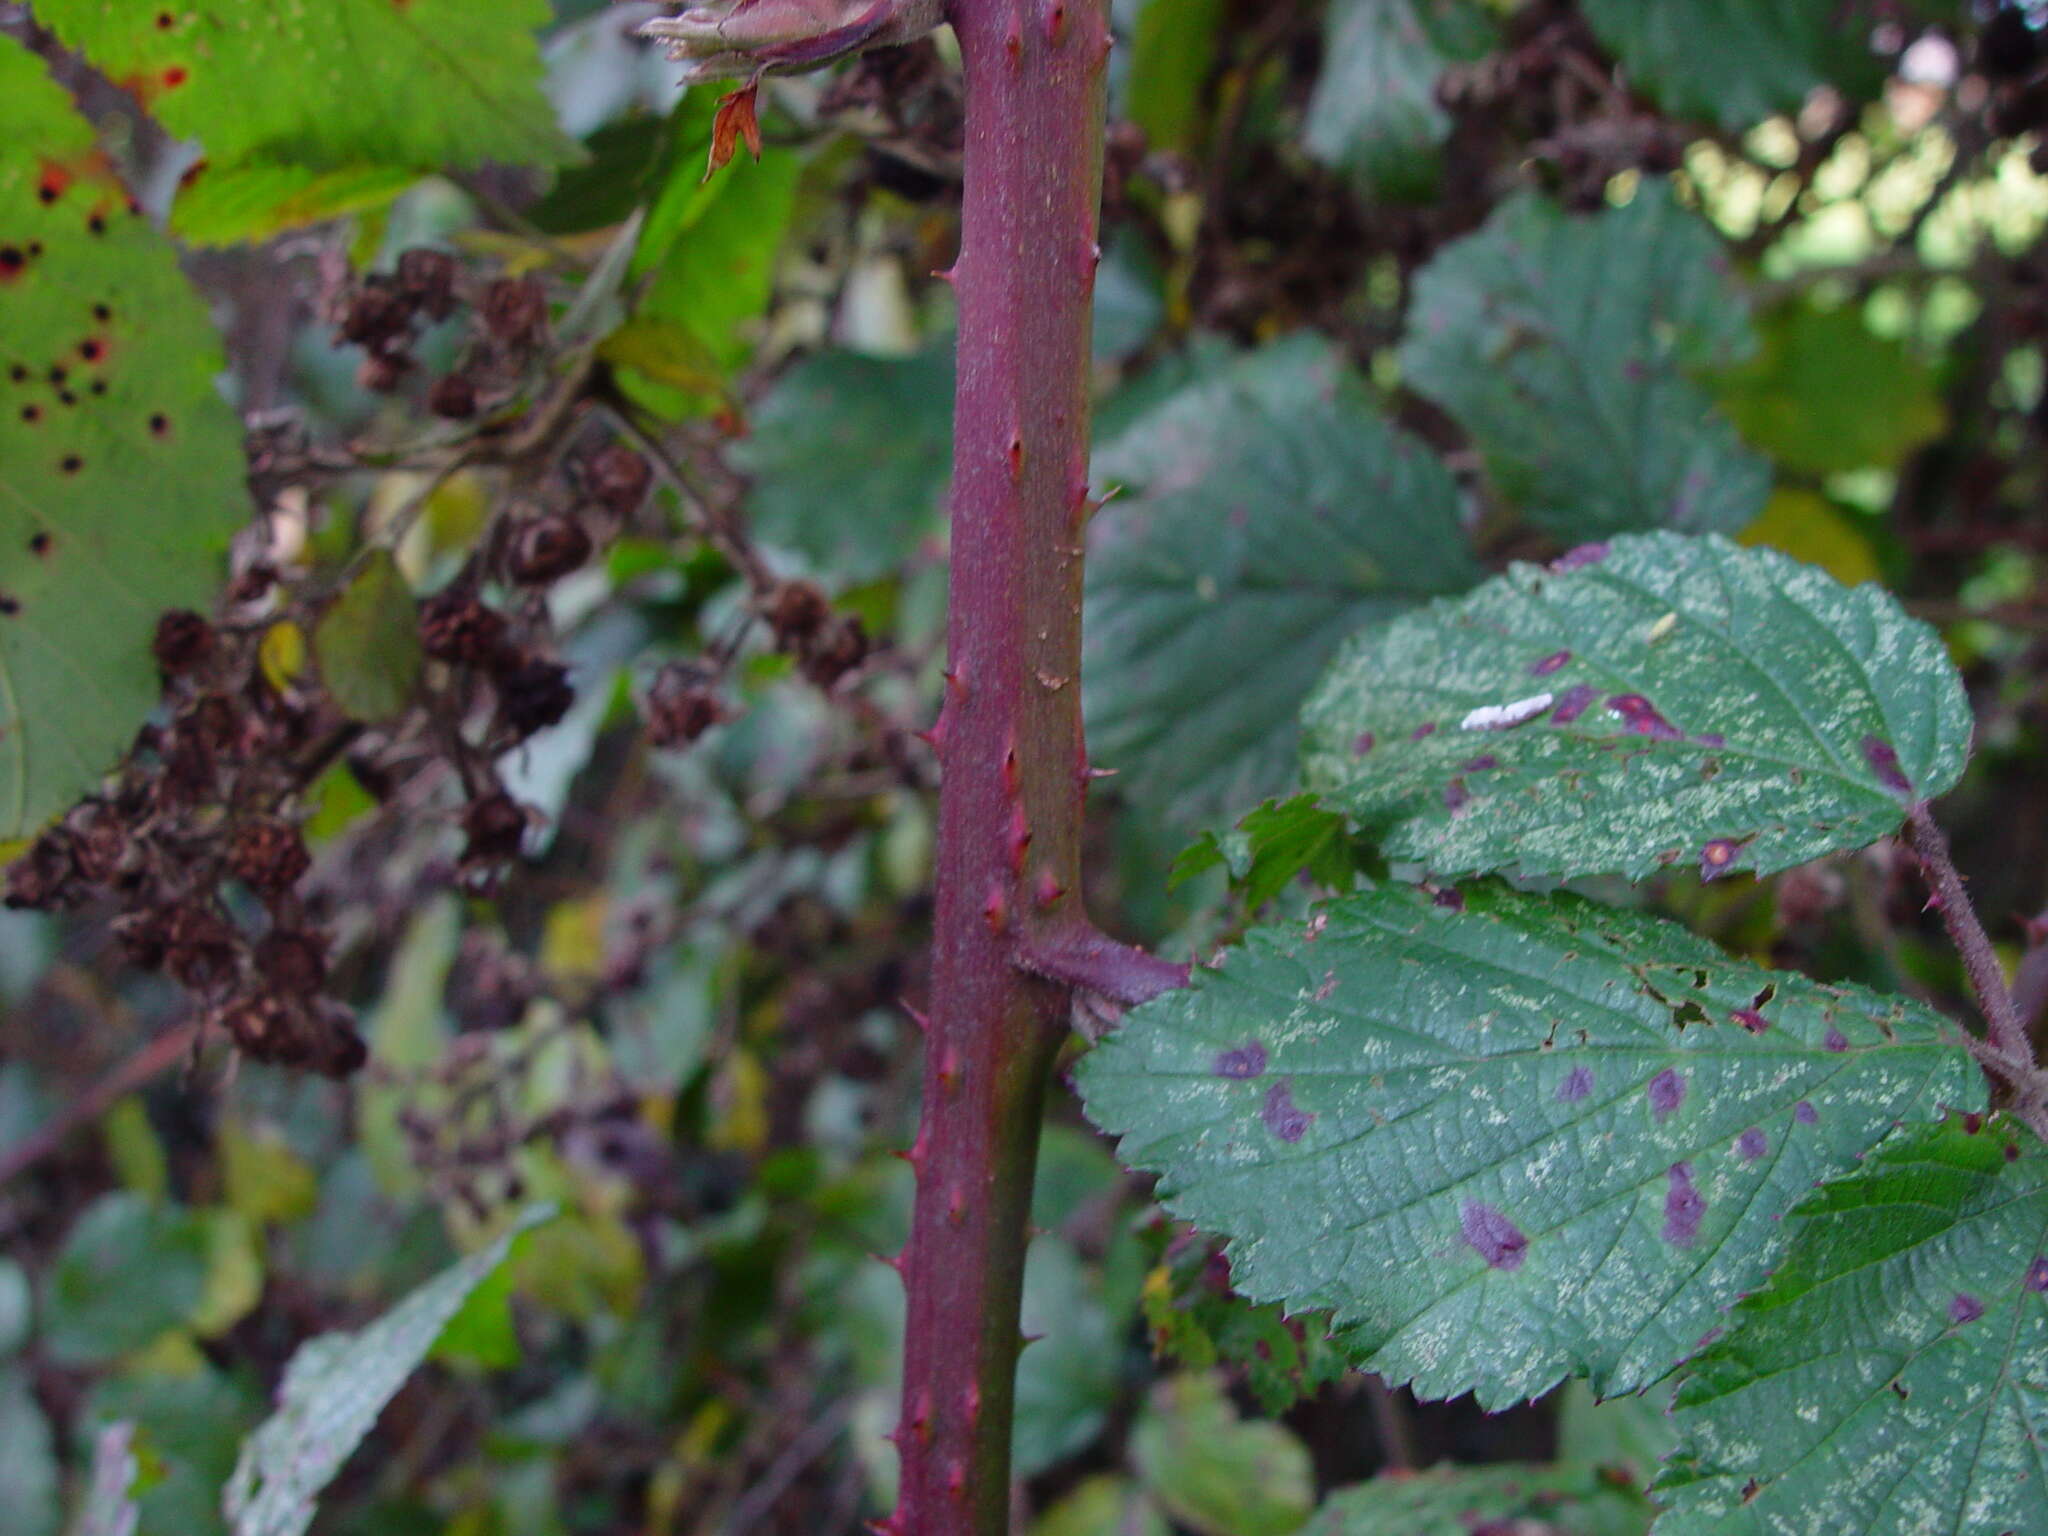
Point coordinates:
[(1655, 701), (130, 1269), (1898, 1357), (1503, 1137), (1274, 512), (29, 1478), (368, 643), (1217, 1474), (1374, 114), (335, 1387), (1563, 345), (1459, 1501)]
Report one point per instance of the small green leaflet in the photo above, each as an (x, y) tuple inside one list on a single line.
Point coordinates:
[(368, 642), (1275, 843), (120, 463), (335, 1387), (1505, 1498), (1217, 1474), (1503, 1137), (1651, 702), (1563, 345), (1900, 1356), (1274, 511), (1374, 113), (305, 110)]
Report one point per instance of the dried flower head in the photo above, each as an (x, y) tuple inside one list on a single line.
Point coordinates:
[(742, 38)]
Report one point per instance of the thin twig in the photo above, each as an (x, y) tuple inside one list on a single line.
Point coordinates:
[(132, 1074)]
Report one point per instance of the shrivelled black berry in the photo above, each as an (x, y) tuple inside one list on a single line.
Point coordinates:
[(546, 548), (426, 277), (534, 694), (268, 856), (682, 704), (199, 948), (515, 310), (453, 397), (293, 961), (495, 825), (617, 478), (183, 642), (45, 877), (377, 316), (836, 651), (456, 625), (797, 610)]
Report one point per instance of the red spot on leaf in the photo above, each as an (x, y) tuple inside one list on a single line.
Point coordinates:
[(1554, 662), (1576, 1085), (1684, 1205), (1884, 762), (1667, 1092), (1573, 703), (1716, 858), (1642, 719), (1282, 1118), (1581, 557), (1964, 1308), (1363, 743), (1752, 1144), (1805, 1113), (1492, 1236), (1835, 1040), (1751, 1020), (1245, 1062)]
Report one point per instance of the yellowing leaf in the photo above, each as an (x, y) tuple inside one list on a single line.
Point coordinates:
[(282, 654), (1811, 528)]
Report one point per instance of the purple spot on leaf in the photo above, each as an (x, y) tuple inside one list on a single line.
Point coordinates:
[(1711, 739), (1496, 1239), (1554, 662), (1752, 1144), (1427, 728), (1456, 795), (1450, 898), (1750, 1020), (1716, 858), (1482, 763), (1573, 702), (1835, 1040), (1884, 762), (1667, 1092), (1642, 719), (1804, 1113), (1363, 744), (1578, 559), (1247, 1061), (2037, 1276), (1684, 1205), (1964, 1308), (1280, 1114), (1576, 1085)]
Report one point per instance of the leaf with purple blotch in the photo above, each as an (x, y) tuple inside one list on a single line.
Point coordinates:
[(1899, 1356), (1653, 702), (1511, 1138)]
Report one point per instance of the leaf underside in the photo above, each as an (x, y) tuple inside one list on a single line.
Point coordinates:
[(1564, 344), (1271, 512), (120, 463), (1687, 703), (1499, 1144), (1899, 1357)]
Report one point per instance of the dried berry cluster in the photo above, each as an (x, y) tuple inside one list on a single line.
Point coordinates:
[(383, 313), (195, 841)]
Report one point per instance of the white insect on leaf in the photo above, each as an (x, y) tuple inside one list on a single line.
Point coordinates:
[(1499, 717)]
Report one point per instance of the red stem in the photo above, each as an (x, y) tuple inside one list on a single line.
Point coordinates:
[(1009, 739)]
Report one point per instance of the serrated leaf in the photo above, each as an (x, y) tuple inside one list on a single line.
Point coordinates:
[(1898, 1357), (368, 642), (1654, 702), (850, 456), (129, 1269), (1198, 1322), (334, 1389), (1563, 345), (303, 107), (1462, 1501), (1275, 843), (1826, 394), (1735, 62), (1499, 1144), (120, 463), (1215, 1473), (1374, 114), (1274, 512)]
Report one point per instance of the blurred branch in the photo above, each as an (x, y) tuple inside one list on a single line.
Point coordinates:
[(132, 1074)]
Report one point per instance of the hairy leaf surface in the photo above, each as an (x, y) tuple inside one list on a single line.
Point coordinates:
[(1563, 344), (1275, 512), (120, 464), (1893, 1379), (299, 105), (1655, 701), (1508, 1137)]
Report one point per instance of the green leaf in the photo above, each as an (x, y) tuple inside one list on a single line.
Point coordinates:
[(850, 456), (1682, 701), (1216, 1474), (129, 1269), (1374, 114), (1735, 62), (1275, 512), (368, 643), (1897, 1357), (120, 463), (29, 1478), (1562, 344), (334, 1389), (1067, 1381), (1503, 1137), (1274, 844), (1826, 394), (1626, 1438), (1173, 53), (1459, 1501), (1198, 1323), (1103, 1506), (295, 103), (15, 1307), (187, 1428)]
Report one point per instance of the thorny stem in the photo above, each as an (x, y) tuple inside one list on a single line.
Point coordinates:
[(2007, 1051), (1009, 741)]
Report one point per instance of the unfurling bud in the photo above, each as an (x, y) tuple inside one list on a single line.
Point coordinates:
[(742, 38)]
